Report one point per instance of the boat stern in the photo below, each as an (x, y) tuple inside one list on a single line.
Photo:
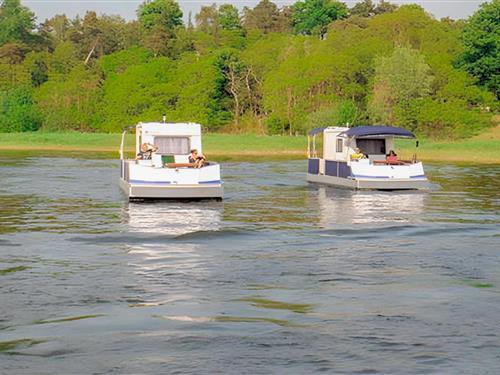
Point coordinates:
[(141, 181)]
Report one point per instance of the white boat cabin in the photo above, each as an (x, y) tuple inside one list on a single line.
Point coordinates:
[(166, 172)]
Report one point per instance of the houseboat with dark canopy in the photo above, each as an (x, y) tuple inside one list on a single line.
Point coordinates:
[(363, 158)]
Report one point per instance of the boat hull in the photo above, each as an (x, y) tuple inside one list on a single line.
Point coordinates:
[(138, 191), (371, 183)]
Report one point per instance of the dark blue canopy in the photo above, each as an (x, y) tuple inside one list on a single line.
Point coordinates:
[(379, 131)]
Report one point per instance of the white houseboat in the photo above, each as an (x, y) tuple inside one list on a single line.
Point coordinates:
[(357, 158), (165, 172)]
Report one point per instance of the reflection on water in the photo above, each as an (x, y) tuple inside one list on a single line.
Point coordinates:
[(282, 277), (173, 218), (342, 206), (154, 257)]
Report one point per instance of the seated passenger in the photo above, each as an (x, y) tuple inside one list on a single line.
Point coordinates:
[(358, 155), (392, 158), (197, 159), (146, 151)]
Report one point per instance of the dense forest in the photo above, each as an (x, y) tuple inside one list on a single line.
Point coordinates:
[(266, 70)]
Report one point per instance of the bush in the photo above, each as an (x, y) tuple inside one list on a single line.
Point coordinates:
[(450, 120), (276, 125), (341, 114), (17, 112)]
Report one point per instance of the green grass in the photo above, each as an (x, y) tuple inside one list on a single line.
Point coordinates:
[(480, 149), (220, 146), (54, 141), (467, 151)]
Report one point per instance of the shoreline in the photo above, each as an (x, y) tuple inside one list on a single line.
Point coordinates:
[(52, 151), (481, 149)]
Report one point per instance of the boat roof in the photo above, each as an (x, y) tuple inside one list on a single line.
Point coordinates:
[(378, 131), (160, 128), (370, 131)]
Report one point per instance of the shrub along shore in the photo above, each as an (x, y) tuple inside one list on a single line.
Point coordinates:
[(480, 149)]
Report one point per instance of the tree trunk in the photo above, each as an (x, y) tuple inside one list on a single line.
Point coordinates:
[(234, 92), (289, 106)]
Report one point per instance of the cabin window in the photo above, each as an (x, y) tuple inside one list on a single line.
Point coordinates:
[(371, 146), (172, 145), (340, 145)]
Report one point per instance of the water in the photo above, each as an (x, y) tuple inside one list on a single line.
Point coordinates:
[(282, 277)]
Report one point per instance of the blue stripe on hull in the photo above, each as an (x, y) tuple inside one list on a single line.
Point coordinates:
[(171, 183), (150, 182), (387, 177), (210, 182)]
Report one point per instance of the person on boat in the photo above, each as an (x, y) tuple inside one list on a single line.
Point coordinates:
[(358, 155), (146, 151), (197, 159), (391, 158)]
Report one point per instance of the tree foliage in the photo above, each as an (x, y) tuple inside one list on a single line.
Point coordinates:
[(159, 20), (311, 17), (263, 70), (17, 23), (266, 17), (481, 39), (399, 79), (17, 111), (163, 13), (70, 101)]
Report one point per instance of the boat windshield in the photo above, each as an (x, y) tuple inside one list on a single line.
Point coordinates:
[(372, 146)]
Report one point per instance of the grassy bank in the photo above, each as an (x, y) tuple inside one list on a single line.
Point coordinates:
[(484, 149), (481, 149), (221, 146)]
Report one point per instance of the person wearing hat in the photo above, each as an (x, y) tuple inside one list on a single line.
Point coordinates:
[(146, 151), (197, 159)]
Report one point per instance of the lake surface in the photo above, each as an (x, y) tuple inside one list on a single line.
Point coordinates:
[(282, 277)]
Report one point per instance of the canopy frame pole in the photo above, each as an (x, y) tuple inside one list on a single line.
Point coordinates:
[(315, 154), (308, 147), (122, 145)]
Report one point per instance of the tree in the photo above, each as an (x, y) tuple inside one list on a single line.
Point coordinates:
[(385, 7), (12, 53), (212, 19), (184, 90), (63, 60), (399, 79), (481, 40), (207, 20), (118, 62), (17, 23), (158, 20), (57, 27), (229, 17), (449, 119), (164, 13), (311, 17), (71, 101), (17, 111), (339, 114), (231, 83), (266, 17), (366, 8), (37, 64)]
